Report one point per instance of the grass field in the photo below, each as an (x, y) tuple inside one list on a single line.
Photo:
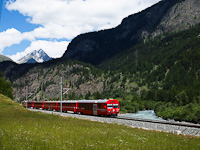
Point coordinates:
[(22, 129)]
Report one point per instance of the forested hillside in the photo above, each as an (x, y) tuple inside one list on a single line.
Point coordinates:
[(5, 87), (168, 69), (167, 65)]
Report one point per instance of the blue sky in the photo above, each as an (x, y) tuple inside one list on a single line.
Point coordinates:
[(28, 25)]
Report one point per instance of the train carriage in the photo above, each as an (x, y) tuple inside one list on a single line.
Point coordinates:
[(37, 104), (98, 107), (67, 106), (30, 104), (49, 105)]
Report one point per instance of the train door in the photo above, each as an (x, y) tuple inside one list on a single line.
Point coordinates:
[(43, 105), (33, 104), (94, 109)]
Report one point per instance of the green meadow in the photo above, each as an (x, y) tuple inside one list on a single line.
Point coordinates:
[(21, 129)]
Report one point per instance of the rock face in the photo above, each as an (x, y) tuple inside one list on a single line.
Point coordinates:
[(43, 79), (37, 56), (165, 16), (181, 16)]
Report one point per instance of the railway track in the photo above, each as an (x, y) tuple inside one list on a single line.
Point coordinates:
[(161, 122)]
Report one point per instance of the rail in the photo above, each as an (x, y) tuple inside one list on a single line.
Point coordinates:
[(161, 122)]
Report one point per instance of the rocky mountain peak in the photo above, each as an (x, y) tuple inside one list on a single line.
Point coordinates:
[(36, 56)]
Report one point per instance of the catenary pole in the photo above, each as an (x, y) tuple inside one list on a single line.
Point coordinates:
[(61, 94), (26, 97)]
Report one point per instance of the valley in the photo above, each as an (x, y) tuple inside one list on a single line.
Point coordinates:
[(149, 61)]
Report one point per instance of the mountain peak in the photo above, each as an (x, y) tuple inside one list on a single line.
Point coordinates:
[(36, 56)]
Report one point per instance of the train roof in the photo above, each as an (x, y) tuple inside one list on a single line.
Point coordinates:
[(68, 101), (93, 101), (74, 101)]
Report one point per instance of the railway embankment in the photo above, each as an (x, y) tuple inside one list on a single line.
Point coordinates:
[(173, 127)]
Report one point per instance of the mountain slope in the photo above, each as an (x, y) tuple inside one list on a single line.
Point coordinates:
[(31, 61), (4, 58), (165, 16), (166, 66), (162, 74), (37, 56), (43, 79)]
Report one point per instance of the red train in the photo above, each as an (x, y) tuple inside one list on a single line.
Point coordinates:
[(107, 107)]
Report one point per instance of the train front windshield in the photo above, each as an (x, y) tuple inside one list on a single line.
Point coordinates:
[(115, 106), (110, 106)]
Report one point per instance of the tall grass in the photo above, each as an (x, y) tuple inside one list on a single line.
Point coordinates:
[(22, 129)]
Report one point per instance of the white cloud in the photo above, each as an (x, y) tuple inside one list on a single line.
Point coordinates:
[(54, 49), (65, 19), (10, 37), (68, 18), (13, 36)]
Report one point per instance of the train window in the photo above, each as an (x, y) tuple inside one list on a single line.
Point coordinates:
[(110, 106), (99, 106), (80, 106), (115, 105), (83, 106)]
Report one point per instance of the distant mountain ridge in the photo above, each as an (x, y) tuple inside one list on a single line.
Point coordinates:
[(165, 16), (37, 56), (4, 58)]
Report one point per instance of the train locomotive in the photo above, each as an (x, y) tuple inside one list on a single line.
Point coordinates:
[(106, 107)]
